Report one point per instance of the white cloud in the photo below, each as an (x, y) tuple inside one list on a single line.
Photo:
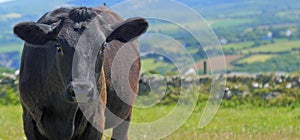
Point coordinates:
[(2, 1)]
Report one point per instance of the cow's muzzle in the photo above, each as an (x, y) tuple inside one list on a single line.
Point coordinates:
[(80, 92)]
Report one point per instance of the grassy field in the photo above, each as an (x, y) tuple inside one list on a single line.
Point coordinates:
[(229, 22), (229, 123), (150, 64), (276, 47), (11, 48), (256, 58), (11, 123), (279, 46), (244, 123), (238, 46), (290, 14)]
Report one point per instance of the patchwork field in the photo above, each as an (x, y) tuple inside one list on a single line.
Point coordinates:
[(229, 22), (151, 64), (237, 46), (276, 47), (256, 58)]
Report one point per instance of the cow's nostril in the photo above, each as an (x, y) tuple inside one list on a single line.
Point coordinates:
[(70, 94), (90, 93), (81, 92)]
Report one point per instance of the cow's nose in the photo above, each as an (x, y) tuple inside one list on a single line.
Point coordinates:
[(70, 94), (80, 92)]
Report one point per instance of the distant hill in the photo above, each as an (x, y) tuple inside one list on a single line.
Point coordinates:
[(93, 2), (230, 19)]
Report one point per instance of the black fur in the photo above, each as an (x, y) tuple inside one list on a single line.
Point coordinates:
[(82, 14)]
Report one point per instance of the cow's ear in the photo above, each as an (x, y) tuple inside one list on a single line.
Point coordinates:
[(128, 30), (36, 33)]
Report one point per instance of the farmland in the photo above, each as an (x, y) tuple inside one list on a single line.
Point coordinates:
[(256, 58), (276, 47), (151, 65), (243, 24)]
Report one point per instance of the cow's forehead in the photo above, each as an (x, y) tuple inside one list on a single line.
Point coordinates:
[(81, 14), (91, 34), (76, 14), (54, 16), (71, 18)]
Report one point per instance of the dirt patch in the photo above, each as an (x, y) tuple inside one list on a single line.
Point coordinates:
[(218, 62)]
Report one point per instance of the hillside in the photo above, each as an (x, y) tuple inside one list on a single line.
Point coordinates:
[(243, 24)]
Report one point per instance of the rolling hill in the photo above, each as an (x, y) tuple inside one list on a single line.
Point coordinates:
[(241, 22)]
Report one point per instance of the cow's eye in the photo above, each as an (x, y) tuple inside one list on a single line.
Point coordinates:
[(59, 49)]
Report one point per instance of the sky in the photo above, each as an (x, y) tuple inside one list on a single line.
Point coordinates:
[(1, 1)]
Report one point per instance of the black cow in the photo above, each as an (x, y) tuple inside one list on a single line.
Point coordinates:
[(51, 77)]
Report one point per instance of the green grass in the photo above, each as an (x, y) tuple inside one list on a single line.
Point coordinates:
[(256, 58), (11, 123), (295, 73), (235, 123), (244, 14), (151, 64), (290, 14), (11, 48), (279, 46), (238, 46), (215, 23), (229, 123), (223, 23), (244, 123), (283, 45)]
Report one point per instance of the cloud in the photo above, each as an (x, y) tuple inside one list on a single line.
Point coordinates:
[(2, 1)]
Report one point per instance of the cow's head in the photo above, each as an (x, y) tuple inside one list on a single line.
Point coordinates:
[(75, 37)]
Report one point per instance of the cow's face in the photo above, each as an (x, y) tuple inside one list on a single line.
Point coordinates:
[(77, 38)]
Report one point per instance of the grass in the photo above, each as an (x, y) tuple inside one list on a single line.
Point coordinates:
[(215, 23), (244, 14), (10, 48), (295, 73), (283, 45), (256, 58), (11, 123), (150, 64), (238, 123), (238, 46), (244, 123), (222, 23), (279, 45), (229, 123), (290, 13)]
